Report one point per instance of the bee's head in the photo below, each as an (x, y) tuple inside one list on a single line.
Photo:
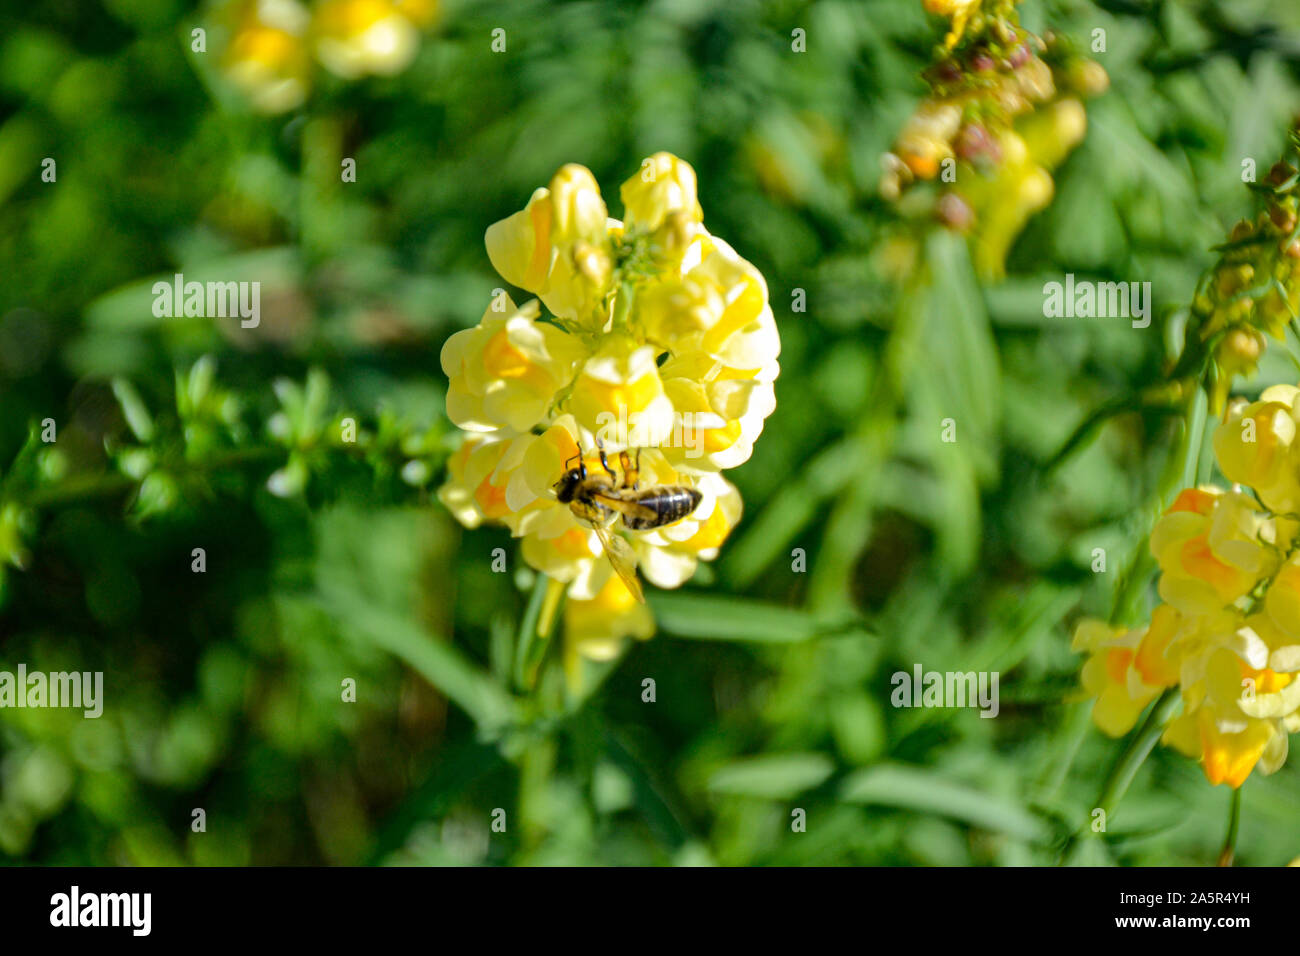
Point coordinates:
[(567, 486)]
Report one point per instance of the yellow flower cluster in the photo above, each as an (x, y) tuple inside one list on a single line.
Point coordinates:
[(1254, 289), (659, 342), (1004, 109), (1228, 632), (269, 53)]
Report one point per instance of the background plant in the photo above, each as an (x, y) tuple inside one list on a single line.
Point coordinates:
[(772, 683)]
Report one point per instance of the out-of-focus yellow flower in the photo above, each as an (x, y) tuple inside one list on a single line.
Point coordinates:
[(1005, 109), (960, 11), (1212, 547), (267, 57), (1229, 637), (599, 628), (422, 13), (926, 140), (360, 37), (505, 372), (1126, 669), (1022, 185), (1255, 446), (1235, 716), (1282, 601)]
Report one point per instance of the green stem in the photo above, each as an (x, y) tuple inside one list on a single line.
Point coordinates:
[(1234, 820), (526, 636), (81, 487), (1130, 760)]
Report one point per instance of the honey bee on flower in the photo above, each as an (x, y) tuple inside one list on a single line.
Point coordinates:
[(600, 416)]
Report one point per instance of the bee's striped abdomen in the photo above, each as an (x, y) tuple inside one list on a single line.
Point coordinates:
[(668, 502)]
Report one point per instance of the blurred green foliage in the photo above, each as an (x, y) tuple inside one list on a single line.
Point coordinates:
[(223, 688)]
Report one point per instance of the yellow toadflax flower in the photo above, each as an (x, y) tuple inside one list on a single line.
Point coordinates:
[(1254, 446), (1229, 635), (653, 372), (505, 371), (1126, 669), (1212, 547)]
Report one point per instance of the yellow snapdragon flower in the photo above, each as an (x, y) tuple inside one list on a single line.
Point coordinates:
[(664, 187), (1126, 669), (558, 247), (1255, 446), (1237, 712), (1229, 635), (619, 397), (1212, 547), (661, 345), (505, 372)]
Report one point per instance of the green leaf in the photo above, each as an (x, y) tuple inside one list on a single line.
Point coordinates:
[(731, 619), (492, 708), (924, 791), (774, 776)]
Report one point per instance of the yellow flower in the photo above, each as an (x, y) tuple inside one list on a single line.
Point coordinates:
[(664, 347), (1212, 547), (478, 474), (1234, 717), (1254, 447), (662, 188), (720, 369), (599, 627), (619, 398), (267, 56), (1282, 600), (558, 247), (505, 372), (359, 37), (1126, 669), (960, 11), (926, 140), (572, 556)]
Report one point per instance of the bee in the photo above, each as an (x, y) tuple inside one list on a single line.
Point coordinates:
[(599, 500)]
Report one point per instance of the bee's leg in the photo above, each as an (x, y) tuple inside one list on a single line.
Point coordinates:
[(636, 469), (629, 470), (603, 460)]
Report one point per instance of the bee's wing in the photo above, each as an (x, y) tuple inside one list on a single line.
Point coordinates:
[(623, 558), (625, 506)]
